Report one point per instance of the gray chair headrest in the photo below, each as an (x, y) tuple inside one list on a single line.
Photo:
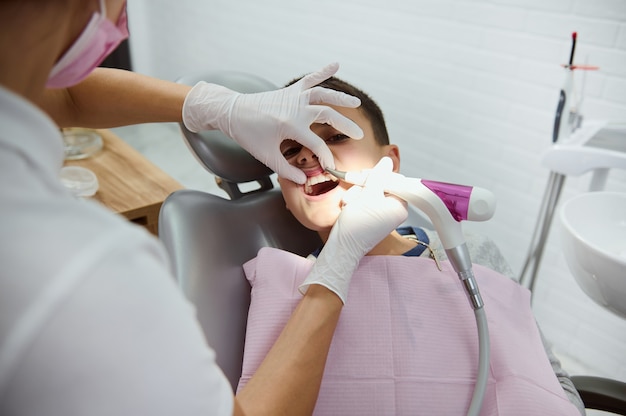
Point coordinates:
[(218, 153)]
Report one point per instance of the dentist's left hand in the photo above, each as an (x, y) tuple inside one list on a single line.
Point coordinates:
[(260, 122), (367, 217)]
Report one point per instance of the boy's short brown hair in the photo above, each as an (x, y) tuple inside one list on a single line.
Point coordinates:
[(368, 107)]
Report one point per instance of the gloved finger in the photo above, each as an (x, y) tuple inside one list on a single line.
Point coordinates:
[(321, 95), (352, 194), (316, 77), (378, 174), (287, 171), (395, 208), (373, 188), (327, 115), (318, 146), (377, 177), (370, 200)]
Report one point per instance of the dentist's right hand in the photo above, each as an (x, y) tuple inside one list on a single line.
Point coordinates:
[(261, 122), (367, 217)]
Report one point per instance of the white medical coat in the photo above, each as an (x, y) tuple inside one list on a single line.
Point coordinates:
[(91, 319)]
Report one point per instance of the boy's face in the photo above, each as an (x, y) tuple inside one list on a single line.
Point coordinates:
[(317, 203)]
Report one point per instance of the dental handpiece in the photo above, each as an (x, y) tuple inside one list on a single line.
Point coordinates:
[(446, 205)]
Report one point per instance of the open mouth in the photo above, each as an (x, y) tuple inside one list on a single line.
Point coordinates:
[(320, 184)]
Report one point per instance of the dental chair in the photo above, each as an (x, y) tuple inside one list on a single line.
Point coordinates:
[(209, 237)]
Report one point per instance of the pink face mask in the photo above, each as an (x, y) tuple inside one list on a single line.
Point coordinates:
[(99, 38)]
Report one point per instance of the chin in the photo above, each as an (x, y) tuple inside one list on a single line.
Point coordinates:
[(319, 222)]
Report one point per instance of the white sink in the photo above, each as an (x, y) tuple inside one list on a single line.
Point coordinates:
[(594, 244)]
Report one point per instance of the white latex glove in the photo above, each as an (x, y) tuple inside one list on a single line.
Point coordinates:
[(260, 122), (367, 217)]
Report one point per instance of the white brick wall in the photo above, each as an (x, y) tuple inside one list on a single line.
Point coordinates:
[(469, 89)]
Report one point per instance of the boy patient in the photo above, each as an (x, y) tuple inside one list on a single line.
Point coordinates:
[(406, 342)]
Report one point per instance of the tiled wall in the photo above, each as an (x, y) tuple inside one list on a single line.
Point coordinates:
[(469, 90)]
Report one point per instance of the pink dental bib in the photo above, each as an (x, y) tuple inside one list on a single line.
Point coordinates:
[(406, 342)]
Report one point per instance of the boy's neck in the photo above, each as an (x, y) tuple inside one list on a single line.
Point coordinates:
[(392, 245)]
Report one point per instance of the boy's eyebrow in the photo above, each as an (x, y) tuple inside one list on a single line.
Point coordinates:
[(288, 143), (324, 125)]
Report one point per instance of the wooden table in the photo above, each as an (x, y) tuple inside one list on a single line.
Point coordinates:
[(130, 184)]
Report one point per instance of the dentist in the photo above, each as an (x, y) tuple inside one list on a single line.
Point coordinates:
[(91, 320)]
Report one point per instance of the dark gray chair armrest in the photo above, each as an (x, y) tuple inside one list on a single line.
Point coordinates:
[(601, 393)]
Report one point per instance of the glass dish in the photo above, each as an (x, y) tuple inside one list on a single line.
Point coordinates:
[(81, 143)]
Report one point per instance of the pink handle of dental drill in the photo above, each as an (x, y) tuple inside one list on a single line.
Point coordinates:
[(463, 202), (455, 197)]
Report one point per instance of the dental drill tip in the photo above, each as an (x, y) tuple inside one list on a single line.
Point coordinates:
[(336, 173)]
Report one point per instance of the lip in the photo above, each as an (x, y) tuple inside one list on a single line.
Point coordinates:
[(313, 172)]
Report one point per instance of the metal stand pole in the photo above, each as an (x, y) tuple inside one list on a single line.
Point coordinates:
[(542, 229)]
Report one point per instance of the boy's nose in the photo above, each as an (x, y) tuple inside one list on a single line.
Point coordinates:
[(306, 155)]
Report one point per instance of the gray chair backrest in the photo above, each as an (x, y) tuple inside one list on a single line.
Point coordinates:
[(209, 238)]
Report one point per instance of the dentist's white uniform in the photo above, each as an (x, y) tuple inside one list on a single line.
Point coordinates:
[(87, 293)]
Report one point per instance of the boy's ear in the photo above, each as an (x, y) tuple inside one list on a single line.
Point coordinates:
[(393, 152)]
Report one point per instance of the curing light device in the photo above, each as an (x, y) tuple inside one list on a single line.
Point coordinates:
[(446, 205)]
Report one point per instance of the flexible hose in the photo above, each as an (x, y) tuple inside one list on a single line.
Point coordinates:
[(461, 263), (483, 362)]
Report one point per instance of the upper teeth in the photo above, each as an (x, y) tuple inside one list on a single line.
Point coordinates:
[(314, 180)]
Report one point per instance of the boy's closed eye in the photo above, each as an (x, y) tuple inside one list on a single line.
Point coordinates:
[(336, 139), (290, 148)]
